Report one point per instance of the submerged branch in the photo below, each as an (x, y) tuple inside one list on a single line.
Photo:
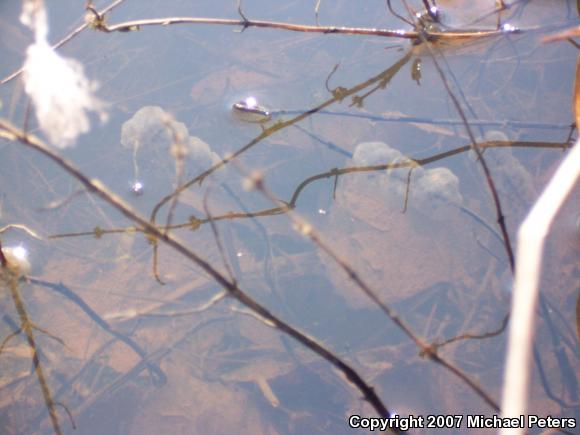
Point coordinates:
[(156, 373), (303, 227), (194, 223), (11, 280), (478, 151), (96, 187), (245, 23)]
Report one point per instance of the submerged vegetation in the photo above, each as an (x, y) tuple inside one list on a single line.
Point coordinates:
[(198, 262)]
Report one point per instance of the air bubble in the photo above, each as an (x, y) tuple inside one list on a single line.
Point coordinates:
[(137, 188)]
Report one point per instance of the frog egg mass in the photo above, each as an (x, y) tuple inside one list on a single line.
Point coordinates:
[(374, 153), (431, 191), (155, 141)]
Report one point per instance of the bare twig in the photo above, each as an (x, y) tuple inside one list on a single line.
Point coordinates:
[(178, 150), (317, 12), (11, 280), (156, 373), (396, 14), (9, 337), (245, 23), (473, 336), (3, 260), (96, 187), (334, 173), (241, 14), (477, 149), (22, 228), (305, 228), (217, 237), (132, 314), (384, 78), (66, 39)]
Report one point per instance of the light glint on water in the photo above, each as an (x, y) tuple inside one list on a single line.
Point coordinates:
[(251, 102), (17, 259), (137, 188), (20, 252)]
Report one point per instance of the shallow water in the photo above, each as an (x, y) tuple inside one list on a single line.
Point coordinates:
[(425, 240)]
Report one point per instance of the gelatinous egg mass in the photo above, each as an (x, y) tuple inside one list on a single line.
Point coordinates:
[(431, 191)]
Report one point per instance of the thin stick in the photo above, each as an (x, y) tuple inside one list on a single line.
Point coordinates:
[(22, 228), (3, 261), (12, 281), (95, 186), (481, 159), (384, 78), (64, 40), (245, 23), (178, 150), (334, 173), (531, 238), (303, 227), (216, 236), (156, 373)]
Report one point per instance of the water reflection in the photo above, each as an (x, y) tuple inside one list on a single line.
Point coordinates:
[(401, 228)]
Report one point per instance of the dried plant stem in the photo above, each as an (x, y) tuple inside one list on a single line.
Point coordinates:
[(3, 261), (217, 238), (333, 173), (11, 132), (339, 94), (245, 23), (531, 238), (22, 228), (477, 149), (11, 280), (156, 373), (430, 352), (383, 78), (66, 39)]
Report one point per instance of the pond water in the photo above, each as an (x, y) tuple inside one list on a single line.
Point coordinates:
[(364, 142)]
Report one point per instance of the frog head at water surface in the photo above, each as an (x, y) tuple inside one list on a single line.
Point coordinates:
[(249, 110)]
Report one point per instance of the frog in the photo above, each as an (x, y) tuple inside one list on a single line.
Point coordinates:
[(250, 111)]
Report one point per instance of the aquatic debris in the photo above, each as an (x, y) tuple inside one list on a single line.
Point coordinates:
[(17, 259)]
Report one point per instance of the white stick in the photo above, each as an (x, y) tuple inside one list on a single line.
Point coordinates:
[(531, 238)]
